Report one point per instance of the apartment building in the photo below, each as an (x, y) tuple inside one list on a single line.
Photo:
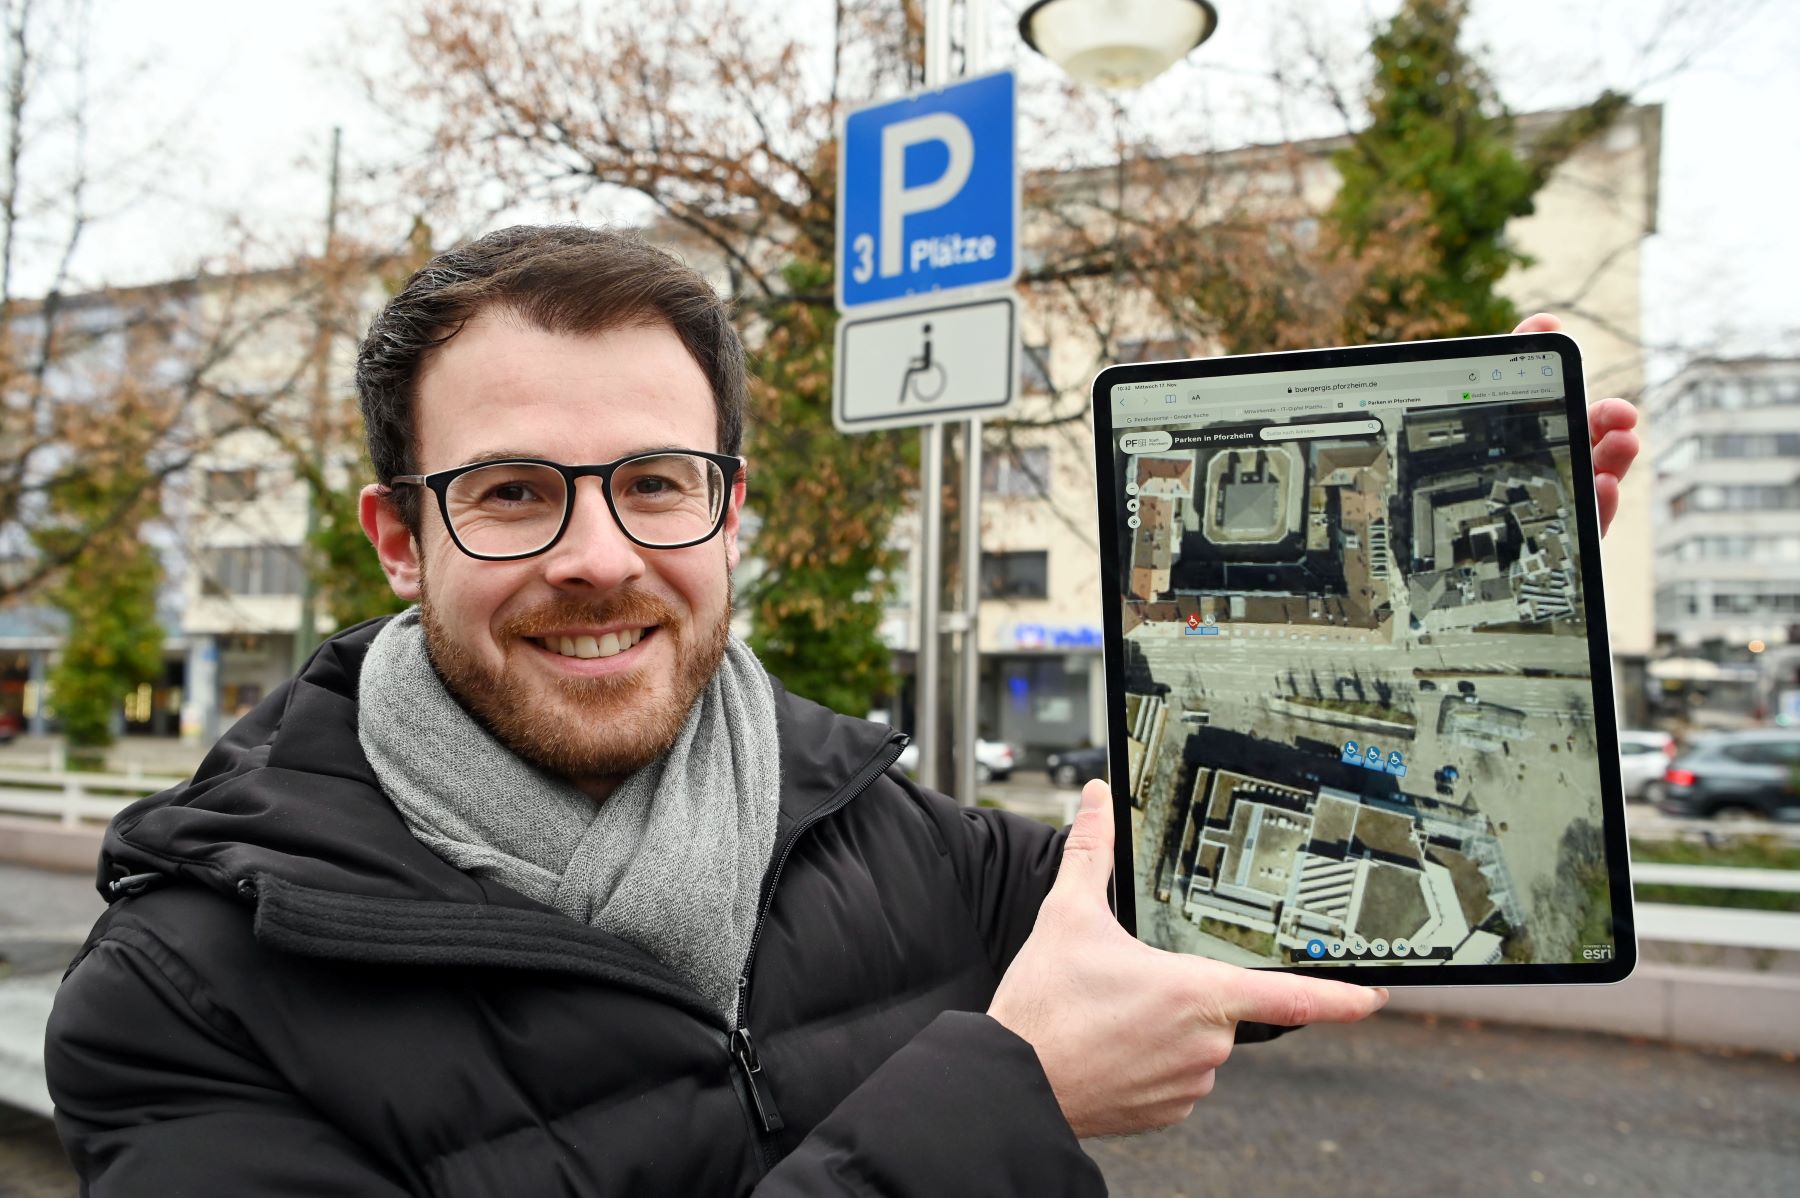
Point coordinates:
[(241, 356), (96, 341), (1726, 473), (1042, 674)]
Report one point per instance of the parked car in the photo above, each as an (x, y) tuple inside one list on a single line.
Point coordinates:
[(1643, 756), (1753, 774), (10, 727), (1072, 767), (993, 760)]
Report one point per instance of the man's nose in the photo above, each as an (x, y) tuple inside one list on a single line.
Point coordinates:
[(594, 551)]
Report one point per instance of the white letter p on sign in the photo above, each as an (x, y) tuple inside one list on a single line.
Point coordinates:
[(899, 201)]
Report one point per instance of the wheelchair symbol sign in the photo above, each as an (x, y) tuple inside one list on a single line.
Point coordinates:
[(925, 378), (926, 366)]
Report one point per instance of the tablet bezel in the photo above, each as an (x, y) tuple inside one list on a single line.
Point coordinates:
[(1613, 835)]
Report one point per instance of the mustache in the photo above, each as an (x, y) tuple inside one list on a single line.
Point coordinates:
[(627, 606)]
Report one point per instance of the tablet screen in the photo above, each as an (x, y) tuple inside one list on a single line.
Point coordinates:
[(1358, 650)]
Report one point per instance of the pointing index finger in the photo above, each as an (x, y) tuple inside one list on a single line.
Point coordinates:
[(1290, 1000)]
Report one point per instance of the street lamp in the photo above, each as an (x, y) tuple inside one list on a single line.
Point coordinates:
[(1117, 43)]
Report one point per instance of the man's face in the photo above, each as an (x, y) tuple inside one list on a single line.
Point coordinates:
[(495, 629)]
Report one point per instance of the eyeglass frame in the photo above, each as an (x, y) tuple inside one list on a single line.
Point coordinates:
[(438, 482)]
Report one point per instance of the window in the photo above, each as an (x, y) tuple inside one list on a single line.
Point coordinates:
[(251, 570), (1017, 472), (230, 486), (1034, 369), (1764, 752), (1750, 445), (221, 414), (1153, 349), (1015, 575), (1738, 549), (1752, 498), (1772, 600)]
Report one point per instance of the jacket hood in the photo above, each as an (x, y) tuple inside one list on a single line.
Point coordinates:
[(287, 793)]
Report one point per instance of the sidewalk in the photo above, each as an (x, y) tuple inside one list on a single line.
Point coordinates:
[(44, 917), (156, 755)]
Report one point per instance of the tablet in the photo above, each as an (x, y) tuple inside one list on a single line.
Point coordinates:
[(1358, 684)]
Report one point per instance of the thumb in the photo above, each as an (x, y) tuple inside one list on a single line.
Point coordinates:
[(1087, 859)]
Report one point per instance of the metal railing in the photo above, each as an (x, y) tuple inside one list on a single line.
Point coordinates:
[(72, 796), (1722, 927)]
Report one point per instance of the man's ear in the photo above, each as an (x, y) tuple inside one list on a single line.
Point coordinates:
[(393, 541), (740, 486)]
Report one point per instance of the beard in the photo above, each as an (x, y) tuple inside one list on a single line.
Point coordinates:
[(582, 727)]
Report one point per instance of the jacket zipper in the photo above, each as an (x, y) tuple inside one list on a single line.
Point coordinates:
[(741, 1045)]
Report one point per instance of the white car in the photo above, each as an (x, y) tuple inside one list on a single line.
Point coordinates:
[(993, 760), (1643, 756)]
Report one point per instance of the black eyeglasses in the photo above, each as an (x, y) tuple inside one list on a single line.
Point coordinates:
[(519, 507)]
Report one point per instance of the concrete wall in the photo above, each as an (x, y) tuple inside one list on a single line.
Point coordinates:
[(1679, 1004)]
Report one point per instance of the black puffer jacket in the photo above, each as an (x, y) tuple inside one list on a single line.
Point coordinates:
[(291, 995)]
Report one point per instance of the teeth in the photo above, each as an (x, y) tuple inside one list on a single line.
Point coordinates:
[(587, 647)]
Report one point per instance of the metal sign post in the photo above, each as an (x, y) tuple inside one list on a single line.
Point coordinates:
[(968, 690), (927, 254)]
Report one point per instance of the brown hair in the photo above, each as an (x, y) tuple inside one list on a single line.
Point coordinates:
[(563, 279)]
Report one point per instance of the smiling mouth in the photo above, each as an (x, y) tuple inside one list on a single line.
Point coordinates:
[(588, 647)]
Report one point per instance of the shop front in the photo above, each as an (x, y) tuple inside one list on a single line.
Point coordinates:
[(1044, 689)]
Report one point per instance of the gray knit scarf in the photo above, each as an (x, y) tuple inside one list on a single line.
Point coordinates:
[(672, 861)]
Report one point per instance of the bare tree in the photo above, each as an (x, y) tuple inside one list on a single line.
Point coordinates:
[(90, 371)]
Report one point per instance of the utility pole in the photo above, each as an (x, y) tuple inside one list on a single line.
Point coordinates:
[(306, 635), (931, 495)]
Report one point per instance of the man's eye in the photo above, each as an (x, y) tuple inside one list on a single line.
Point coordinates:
[(514, 492)]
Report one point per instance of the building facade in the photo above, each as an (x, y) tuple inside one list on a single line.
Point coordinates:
[(1727, 495), (1039, 624), (248, 371)]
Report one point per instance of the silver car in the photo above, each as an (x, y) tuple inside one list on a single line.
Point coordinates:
[(993, 760), (1643, 756)]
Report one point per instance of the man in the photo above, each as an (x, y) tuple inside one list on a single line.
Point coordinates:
[(545, 887)]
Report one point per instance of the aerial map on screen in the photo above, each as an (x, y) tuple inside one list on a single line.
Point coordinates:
[(1357, 680)]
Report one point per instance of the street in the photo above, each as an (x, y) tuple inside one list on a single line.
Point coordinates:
[(1398, 1106)]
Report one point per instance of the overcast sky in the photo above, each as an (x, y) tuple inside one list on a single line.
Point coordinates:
[(247, 95)]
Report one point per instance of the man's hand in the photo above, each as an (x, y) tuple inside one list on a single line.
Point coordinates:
[(1610, 422), (1128, 1035)]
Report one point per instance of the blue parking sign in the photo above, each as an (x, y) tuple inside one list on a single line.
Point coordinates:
[(928, 193)]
